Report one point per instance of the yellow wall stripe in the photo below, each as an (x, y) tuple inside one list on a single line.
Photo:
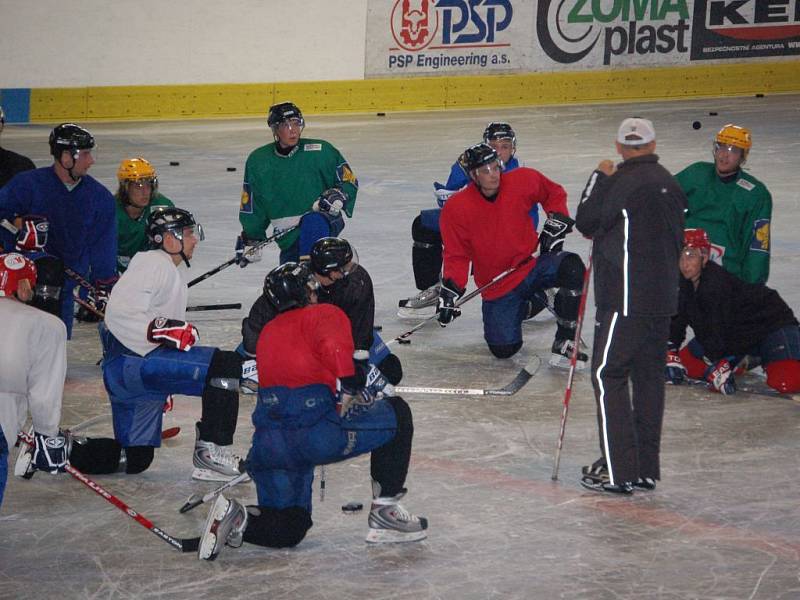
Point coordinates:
[(423, 93)]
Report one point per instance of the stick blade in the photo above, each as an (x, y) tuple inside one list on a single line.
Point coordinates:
[(190, 544), (170, 433), (193, 502)]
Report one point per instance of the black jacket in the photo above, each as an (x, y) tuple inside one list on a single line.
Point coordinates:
[(354, 295), (728, 316), (635, 218), (12, 163)]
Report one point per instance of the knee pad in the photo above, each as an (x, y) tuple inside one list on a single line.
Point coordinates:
[(95, 456), (276, 528), (426, 255), (138, 458), (695, 365), (570, 272), (784, 375), (505, 350), (392, 369)]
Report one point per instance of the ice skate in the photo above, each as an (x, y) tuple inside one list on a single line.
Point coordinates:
[(421, 306), (23, 466), (213, 462), (562, 355), (389, 522), (596, 478), (224, 526)]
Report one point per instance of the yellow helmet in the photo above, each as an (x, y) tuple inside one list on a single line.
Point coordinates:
[(734, 135), (135, 169)]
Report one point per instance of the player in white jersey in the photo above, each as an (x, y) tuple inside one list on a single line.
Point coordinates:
[(32, 370)]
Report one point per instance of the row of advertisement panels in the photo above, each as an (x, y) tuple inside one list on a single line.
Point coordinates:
[(463, 37)]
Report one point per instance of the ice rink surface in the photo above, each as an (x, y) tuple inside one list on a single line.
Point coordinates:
[(724, 522)]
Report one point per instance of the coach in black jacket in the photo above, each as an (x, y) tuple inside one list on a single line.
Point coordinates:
[(634, 215)]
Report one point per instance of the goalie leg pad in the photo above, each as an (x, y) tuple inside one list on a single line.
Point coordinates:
[(389, 463), (392, 369), (569, 280), (426, 254)]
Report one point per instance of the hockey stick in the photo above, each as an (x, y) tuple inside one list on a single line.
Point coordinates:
[(166, 434), (196, 499), (403, 337), (572, 362), (745, 389), (520, 379), (258, 246), (200, 307), (182, 544)]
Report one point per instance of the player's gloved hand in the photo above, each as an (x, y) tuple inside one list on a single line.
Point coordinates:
[(97, 299), (370, 377), (173, 333), (446, 308), (719, 376), (554, 230), (675, 372), (249, 377), (32, 233), (354, 401), (50, 453), (441, 193), (247, 251), (330, 201)]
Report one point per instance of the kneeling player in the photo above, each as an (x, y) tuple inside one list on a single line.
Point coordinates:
[(300, 422), (149, 352), (731, 319)]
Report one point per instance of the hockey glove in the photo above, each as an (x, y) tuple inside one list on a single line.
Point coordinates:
[(554, 230), (32, 233), (719, 376), (353, 402), (441, 193), (172, 333), (246, 251), (51, 452), (446, 308), (675, 371), (331, 201)]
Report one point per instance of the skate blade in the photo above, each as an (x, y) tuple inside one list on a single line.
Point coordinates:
[(558, 361), (209, 540), (392, 536), (416, 314), (209, 475), (23, 466)]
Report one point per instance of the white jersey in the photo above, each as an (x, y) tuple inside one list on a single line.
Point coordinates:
[(33, 365), (151, 287)]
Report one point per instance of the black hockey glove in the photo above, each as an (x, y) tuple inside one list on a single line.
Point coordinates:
[(554, 230), (97, 299), (446, 308), (51, 452)]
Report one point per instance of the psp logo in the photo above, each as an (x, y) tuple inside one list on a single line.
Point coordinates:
[(414, 23)]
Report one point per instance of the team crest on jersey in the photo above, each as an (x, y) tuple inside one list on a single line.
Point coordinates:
[(346, 175), (716, 253), (760, 240), (312, 147), (743, 183), (246, 203)]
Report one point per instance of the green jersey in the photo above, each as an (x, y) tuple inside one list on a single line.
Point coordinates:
[(736, 216), (279, 189), (132, 233)]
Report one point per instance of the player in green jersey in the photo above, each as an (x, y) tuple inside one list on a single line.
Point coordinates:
[(293, 181), (137, 195), (732, 206)]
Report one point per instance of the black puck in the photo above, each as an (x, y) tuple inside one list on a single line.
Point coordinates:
[(378, 327), (759, 95), (231, 169), (697, 125), (381, 114), (713, 113), (352, 507), (403, 341), (173, 163)]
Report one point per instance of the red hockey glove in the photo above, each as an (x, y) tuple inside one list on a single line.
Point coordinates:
[(675, 372), (32, 233), (173, 333), (720, 377)]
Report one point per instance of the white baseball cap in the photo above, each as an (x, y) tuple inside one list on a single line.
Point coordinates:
[(636, 132)]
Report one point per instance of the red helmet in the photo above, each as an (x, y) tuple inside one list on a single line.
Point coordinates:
[(696, 238), (13, 269)]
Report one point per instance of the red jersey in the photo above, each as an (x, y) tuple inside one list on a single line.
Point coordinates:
[(305, 346), (496, 235)]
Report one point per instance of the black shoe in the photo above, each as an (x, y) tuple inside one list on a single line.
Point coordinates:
[(647, 484)]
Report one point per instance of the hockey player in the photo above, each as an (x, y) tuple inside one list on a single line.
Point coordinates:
[(11, 163), (293, 181), (346, 284), (136, 197), (731, 319), (83, 231), (32, 371), (150, 351), (300, 420), (732, 206), (488, 224), (634, 215), (426, 251)]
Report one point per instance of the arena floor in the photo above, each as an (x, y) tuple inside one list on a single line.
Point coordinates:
[(723, 523)]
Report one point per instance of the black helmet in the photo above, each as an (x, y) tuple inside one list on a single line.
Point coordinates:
[(278, 113), (332, 254), (287, 286), (69, 136), (169, 218), (477, 156), (499, 131)]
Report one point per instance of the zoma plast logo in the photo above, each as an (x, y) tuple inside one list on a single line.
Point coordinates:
[(569, 30)]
